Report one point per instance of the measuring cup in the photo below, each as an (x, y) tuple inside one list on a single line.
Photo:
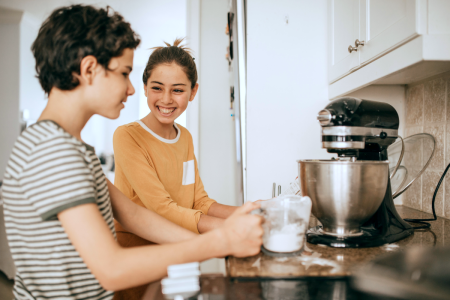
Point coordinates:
[(286, 220)]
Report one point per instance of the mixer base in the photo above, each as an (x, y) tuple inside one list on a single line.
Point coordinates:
[(369, 238), (320, 229)]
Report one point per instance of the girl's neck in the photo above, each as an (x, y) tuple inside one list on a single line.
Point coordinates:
[(166, 131), (66, 109)]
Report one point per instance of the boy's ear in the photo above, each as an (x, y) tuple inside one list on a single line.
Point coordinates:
[(88, 67), (194, 92)]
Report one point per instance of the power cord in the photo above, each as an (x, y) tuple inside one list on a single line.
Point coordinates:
[(426, 225)]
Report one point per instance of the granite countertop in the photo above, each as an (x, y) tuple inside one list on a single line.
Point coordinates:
[(318, 261), (319, 273), (218, 287)]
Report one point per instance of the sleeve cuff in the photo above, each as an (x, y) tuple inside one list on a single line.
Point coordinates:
[(48, 215), (204, 208), (194, 226)]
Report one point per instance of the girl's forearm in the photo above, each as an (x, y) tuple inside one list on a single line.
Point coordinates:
[(155, 228), (208, 223), (221, 211), (141, 265)]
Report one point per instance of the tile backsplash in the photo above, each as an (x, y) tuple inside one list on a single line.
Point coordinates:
[(428, 111)]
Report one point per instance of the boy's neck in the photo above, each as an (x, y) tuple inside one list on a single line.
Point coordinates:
[(67, 109), (166, 131)]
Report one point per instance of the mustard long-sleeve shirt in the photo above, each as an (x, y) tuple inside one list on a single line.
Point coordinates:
[(160, 174)]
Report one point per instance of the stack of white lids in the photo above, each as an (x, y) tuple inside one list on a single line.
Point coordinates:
[(183, 281)]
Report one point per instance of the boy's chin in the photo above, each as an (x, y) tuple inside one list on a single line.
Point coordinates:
[(111, 115)]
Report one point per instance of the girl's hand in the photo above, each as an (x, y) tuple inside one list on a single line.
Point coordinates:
[(242, 233)]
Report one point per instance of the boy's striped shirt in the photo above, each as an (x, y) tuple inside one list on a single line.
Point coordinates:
[(50, 171)]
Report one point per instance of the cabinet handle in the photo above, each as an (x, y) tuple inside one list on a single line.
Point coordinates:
[(359, 43), (351, 49)]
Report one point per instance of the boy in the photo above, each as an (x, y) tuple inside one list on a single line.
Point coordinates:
[(58, 203)]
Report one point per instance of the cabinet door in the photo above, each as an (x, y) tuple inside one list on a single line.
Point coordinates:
[(385, 25), (343, 31)]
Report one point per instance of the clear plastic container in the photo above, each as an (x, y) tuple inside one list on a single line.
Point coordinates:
[(286, 221)]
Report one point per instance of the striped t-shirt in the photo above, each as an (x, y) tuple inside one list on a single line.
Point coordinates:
[(49, 171)]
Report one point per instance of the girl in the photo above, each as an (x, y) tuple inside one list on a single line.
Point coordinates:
[(155, 163)]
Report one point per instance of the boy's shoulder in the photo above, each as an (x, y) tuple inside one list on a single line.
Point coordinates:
[(40, 140), (47, 133), (39, 133)]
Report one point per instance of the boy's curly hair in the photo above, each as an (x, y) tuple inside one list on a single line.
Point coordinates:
[(71, 33)]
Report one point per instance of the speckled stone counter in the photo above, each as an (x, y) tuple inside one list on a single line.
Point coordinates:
[(218, 287), (318, 261)]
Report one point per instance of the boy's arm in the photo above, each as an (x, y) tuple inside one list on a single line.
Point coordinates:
[(118, 268), (144, 222)]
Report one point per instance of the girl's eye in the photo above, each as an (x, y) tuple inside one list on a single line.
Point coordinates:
[(178, 91), (156, 88)]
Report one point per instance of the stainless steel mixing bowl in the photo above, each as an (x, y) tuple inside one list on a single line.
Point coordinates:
[(344, 194)]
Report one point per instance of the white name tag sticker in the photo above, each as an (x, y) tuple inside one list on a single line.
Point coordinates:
[(188, 172)]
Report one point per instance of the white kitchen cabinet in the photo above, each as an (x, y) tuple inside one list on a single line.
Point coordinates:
[(385, 24), (381, 25), (404, 41), (343, 30)]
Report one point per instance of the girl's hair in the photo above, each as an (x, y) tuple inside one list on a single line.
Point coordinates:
[(176, 53)]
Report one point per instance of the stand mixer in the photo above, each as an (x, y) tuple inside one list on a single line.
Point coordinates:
[(351, 194)]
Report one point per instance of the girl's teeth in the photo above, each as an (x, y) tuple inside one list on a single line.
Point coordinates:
[(166, 111)]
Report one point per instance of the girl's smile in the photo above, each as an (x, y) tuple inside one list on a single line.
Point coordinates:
[(166, 111)]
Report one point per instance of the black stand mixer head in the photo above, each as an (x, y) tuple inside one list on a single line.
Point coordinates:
[(361, 130)]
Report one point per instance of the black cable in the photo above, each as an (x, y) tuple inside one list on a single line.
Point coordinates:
[(422, 221)]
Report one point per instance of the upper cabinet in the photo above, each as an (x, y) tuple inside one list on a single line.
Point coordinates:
[(362, 30), (385, 24), (374, 41), (343, 31)]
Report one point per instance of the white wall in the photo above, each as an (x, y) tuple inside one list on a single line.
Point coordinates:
[(193, 11), (286, 88), (217, 154), (9, 83), (32, 97)]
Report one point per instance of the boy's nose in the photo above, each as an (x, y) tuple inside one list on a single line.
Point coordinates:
[(130, 90)]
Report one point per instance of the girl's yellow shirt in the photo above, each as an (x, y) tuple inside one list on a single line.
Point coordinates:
[(160, 174)]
